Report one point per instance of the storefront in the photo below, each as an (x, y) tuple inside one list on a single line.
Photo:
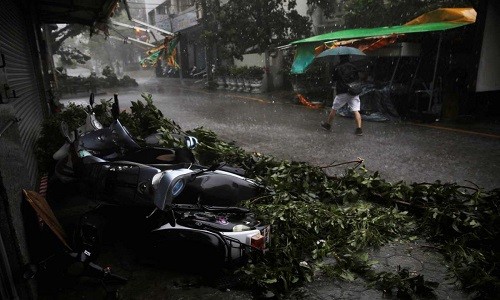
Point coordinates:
[(192, 50)]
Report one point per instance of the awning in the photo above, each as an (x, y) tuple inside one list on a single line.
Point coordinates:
[(85, 12), (455, 15), (437, 20), (379, 31)]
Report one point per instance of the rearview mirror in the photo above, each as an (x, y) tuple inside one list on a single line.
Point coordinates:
[(65, 132), (91, 100), (115, 108)]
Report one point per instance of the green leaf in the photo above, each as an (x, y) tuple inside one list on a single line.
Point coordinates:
[(347, 276), (455, 227)]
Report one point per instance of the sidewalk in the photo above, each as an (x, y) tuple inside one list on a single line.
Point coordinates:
[(417, 257)]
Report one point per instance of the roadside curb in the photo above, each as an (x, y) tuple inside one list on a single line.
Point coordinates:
[(459, 130)]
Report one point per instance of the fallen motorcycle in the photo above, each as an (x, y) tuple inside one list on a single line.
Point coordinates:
[(115, 143), (177, 204)]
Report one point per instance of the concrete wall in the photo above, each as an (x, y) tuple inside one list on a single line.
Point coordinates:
[(275, 67), (249, 60)]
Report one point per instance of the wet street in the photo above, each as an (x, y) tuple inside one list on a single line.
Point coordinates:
[(274, 125)]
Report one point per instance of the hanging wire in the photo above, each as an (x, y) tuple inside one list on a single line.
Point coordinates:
[(119, 33)]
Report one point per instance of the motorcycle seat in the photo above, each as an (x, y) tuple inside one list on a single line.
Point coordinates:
[(151, 155), (92, 159), (226, 209)]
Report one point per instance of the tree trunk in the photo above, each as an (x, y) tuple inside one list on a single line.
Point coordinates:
[(270, 79)]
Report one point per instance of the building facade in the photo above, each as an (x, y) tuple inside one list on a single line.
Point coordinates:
[(181, 17)]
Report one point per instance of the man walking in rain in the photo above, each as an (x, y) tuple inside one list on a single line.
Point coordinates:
[(344, 74)]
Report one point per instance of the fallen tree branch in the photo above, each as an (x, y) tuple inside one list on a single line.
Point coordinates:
[(432, 247), (358, 161)]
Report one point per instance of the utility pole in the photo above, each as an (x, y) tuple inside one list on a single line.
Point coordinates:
[(179, 49), (208, 25), (50, 59)]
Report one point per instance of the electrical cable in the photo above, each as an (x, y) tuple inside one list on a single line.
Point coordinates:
[(119, 33)]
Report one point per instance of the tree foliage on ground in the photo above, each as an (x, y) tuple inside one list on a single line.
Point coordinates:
[(241, 25), (375, 13)]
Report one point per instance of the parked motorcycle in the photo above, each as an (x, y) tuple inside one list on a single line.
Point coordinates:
[(163, 70), (172, 72)]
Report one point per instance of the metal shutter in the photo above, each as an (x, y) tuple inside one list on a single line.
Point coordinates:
[(20, 75)]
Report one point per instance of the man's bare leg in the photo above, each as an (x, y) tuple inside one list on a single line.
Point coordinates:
[(331, 115), (357, 118)]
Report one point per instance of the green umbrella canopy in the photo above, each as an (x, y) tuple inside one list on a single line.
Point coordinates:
[(379, 31)]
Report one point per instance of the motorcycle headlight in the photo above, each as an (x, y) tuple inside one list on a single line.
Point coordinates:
[(169, 184), (96, 123), (177, 188), (191, 142), (241, 227)]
